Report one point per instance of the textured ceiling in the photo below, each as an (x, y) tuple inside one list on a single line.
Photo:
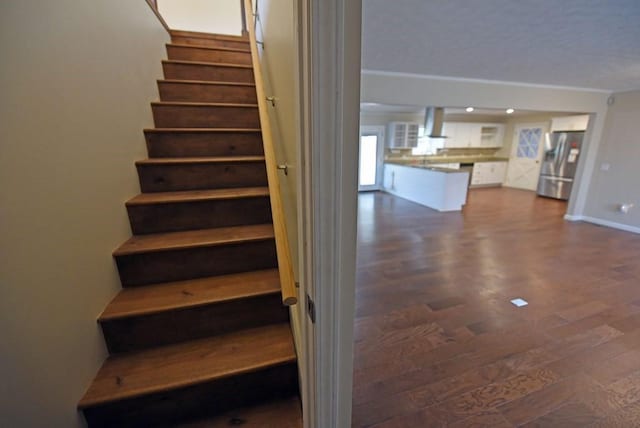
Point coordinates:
[(576, 43)]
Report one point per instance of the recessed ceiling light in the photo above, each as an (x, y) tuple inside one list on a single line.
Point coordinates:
[(469, 109), (510, 110)]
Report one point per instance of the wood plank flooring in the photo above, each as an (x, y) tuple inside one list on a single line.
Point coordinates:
[(438, 343)]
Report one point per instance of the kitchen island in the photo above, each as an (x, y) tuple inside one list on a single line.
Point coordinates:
[(438, 188)]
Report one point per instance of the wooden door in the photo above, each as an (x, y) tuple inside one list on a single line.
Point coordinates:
[(526, 154)]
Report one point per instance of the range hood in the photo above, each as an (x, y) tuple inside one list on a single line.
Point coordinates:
[(433, 119)]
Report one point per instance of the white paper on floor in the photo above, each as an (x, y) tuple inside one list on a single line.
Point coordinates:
[(519, 302)]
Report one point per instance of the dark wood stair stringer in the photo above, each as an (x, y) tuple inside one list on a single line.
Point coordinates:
[(199, 328)]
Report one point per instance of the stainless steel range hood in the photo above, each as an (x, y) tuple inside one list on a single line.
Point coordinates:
[(433, 120)]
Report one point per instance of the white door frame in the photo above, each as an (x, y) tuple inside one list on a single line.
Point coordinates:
[(329, 129), (514, 147), (379, 131)]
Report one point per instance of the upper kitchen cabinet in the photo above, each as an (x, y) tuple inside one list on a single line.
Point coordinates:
[(460, 134), (570, 123), (463, 134), (402, 135), (491, 135)]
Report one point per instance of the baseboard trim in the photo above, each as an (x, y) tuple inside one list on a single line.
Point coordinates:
[(601, 222), (570, 217)]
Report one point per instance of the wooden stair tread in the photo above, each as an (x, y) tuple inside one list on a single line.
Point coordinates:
[(210, 159), (204, 130), (215, 64), (204, 82), (211, 48), (200, 104), (169, 367), (190, 293), (194, 238), (214, 36), (283, 413), (197, 195)]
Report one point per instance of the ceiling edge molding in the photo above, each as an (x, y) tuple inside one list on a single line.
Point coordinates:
[(370, 72)]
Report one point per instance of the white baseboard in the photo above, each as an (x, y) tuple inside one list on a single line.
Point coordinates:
[(573, 217), (601, 222)]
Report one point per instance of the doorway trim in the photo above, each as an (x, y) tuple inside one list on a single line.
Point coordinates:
[(379, 131), (330, 115)]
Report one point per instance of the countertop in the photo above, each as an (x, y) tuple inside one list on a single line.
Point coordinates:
[(447, 159), (464, 159), (429, 167)]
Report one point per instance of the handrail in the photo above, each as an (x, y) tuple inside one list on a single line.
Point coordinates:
[(153, 4), (244, 18), (285, 267)]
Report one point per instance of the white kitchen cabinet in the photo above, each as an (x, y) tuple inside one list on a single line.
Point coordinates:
[(570, 123), (402, 134), (450, 129), (463, 134), (491, 135), (456, 133), (488, 173)]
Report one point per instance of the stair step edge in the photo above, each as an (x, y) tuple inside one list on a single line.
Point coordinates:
[(213, 36), (184, 352), (210, 48), (196, 196), (205, 63), (201, 104), (192, 293), (184, 240), (205, 82), (203, 130), (169, 386), (200, 160)]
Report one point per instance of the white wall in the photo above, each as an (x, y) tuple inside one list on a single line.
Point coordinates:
[(620, 148), (76, 79), (383, 119), (276, 28), (208, 16), (412, 89)]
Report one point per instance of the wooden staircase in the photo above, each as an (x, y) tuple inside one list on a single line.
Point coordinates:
[(199, 329)]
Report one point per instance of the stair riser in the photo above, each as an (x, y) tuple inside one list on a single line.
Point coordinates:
[(194, 92), (210, 43), (188, 116), (172, 177), (166, 328), (213, 398), (212, 73), (181, 264), (183, 53), (173, 217), (195, 144)]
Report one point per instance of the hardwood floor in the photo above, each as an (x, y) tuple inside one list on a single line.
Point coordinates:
[(438, 343)]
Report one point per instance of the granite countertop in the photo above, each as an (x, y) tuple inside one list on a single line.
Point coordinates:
[(429, 167), (447, 159)]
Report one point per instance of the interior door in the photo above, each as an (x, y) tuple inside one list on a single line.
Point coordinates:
[(526, 153), (371, 157)]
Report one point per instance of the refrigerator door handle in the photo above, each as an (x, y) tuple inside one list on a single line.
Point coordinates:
[(546, 177), (560, 150)]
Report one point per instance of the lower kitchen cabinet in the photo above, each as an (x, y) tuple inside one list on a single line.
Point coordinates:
[(488, 173)]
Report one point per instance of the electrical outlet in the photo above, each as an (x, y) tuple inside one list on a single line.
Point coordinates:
[(605, 167), (625, 208)]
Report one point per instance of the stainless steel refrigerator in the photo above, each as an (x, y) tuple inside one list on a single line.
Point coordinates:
[(559, 163)]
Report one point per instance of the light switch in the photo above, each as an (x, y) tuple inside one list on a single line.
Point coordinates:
[(605, 166)]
